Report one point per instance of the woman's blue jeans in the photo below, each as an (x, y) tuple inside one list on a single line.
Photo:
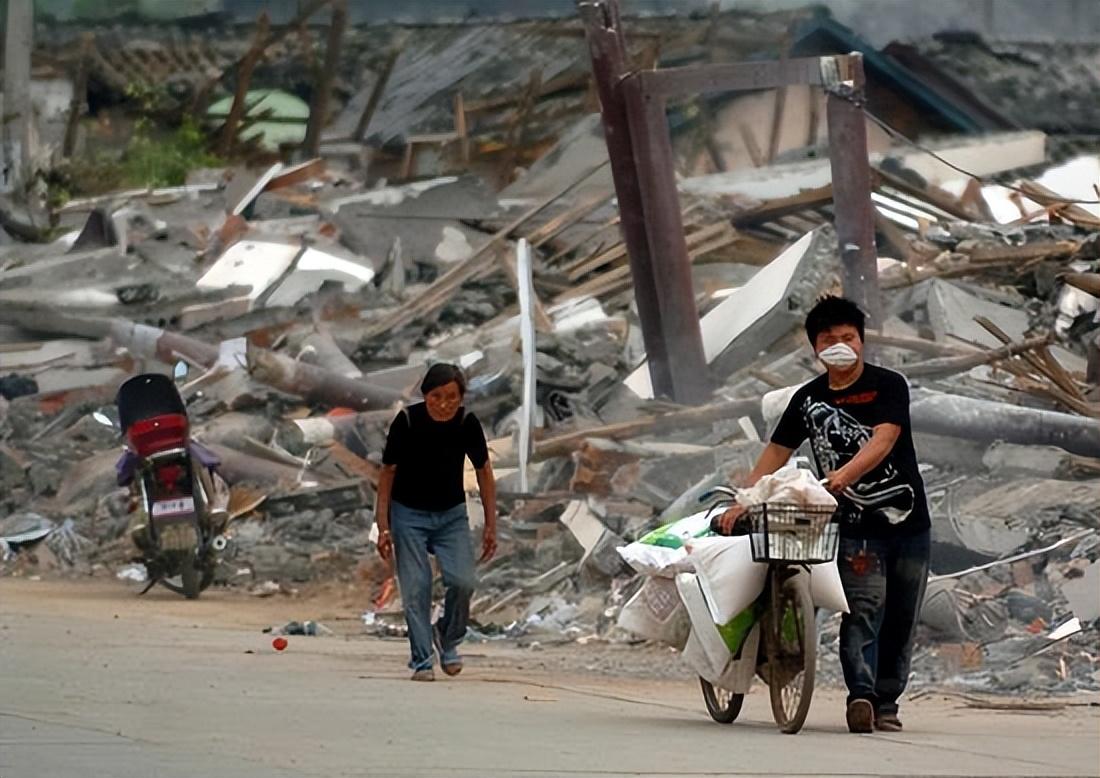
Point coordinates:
[(446, 534)]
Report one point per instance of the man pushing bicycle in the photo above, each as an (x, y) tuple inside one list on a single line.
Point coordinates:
[(856, 417)]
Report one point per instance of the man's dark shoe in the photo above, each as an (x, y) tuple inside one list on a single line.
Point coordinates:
[(888, 722), (861, 717)]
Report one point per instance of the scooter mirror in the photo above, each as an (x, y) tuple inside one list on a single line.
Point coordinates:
[(179, 372), (103, 419)]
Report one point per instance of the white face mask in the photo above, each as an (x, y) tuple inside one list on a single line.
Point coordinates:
[(840, 356)]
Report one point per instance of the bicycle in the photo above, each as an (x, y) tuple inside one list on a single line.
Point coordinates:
[(788, 538)]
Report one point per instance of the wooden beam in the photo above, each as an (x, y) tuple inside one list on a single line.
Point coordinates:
[(1057, 376), (946, 366), (735, 76), (322, 90), (376, 94), (1040, 250), (198, 107), (260, 42), (576, 244), (751, 146), (813, 117), (437, 295), (934, 196), (461, 128), (566, 219), (778, 110), (80, 95), (563, 445), (1071, 212), (785, 206)]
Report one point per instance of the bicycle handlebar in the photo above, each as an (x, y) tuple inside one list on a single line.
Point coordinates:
[(723, 490)]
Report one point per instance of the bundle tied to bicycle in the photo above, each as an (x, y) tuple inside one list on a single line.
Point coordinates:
[(787, 519), (743, 605)]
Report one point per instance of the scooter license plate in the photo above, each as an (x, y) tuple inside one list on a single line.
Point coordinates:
[(178, 507)]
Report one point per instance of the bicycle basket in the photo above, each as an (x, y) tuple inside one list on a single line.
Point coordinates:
[(793, 533)]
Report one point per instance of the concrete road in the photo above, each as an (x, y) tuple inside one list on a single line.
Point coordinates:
[(96, 683)]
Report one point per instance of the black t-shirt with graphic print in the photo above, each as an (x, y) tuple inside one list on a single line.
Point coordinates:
[(430, 455), (890, 500)]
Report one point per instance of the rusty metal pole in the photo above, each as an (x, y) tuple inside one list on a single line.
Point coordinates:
[(318, 115), (655, 163), (854, 211), (607, 48)]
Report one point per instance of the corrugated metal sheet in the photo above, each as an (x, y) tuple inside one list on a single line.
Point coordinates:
[(481, 62)]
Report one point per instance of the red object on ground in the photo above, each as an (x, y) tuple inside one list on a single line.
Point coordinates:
[(337, 412), (279, 644)]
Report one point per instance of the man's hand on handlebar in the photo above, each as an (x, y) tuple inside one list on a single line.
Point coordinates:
[(725, 523)]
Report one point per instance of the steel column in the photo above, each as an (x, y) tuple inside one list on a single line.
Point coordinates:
[(607, 48), (655, 164), (852, 206)]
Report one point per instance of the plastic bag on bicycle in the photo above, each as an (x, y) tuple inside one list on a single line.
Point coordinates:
[(791, 486)]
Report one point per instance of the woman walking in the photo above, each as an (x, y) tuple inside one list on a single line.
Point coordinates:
[(422, 510)]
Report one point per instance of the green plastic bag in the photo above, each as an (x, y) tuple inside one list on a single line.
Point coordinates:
[(738, 628), (676, 533)]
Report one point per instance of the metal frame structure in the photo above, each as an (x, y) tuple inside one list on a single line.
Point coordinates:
[(633, 106)]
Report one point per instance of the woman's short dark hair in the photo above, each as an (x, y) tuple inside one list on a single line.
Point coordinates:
[(832, 311), (441, 374)]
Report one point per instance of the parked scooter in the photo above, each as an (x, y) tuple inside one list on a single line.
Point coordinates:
[(177, 525)]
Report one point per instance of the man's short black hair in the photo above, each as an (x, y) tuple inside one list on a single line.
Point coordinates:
[(831, 311), (441, 374)]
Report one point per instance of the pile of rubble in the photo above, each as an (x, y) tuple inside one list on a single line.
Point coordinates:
[(308, 305)]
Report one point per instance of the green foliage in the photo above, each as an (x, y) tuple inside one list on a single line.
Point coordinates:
[(166, 161), (150, 160)]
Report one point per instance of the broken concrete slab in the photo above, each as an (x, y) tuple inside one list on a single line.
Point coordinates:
[(952, 310), (14, 466), (575, 152), (314, 269), (958, 614), (1002, 519), (1036, 461), (774, 182), (762, 311), (1083, 593), (598, 541), (427, 217), (254, 265), (597, 462)]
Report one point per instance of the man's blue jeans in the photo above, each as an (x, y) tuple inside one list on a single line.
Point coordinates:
[(884, 581), (416, 534)]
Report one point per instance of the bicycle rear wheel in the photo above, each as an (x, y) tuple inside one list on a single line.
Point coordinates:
[(790, 640)]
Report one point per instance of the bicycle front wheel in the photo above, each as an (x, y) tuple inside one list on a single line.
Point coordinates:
[(723, 705), (790, 639)]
